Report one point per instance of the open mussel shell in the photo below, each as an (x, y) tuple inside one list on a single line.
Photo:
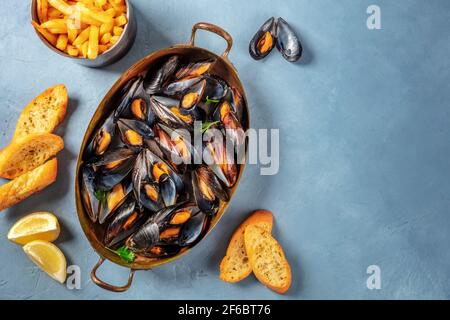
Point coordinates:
[(230, 122), (90, 201), (287, 41), (113, 199), (113, 168), (150, 196), (157, 77), (168, 112), (131, 88), (193, 95), (216, 88), (194, 69), (176, 146), (178, 87), (102, 138), (208, 191), (125, 220), (151, 168), (264, 40), (134, 132), (145, 237)]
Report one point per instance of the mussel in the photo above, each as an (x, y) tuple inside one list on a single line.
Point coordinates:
[(134, 132), (208, 191), (149, 167), (130, 90), (124, 221), (102, 139), (287, 41), (264, 40), (90, 201), (178, 87), (193, 95), (176, 147), (112, 199), (220, 159), (113, 167), (154, 80), (194, 70), (233, 128), (168, 112)]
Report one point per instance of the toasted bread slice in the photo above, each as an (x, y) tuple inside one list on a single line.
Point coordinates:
[(267, 259), (235, 265), (27, 153), (31, 182), (44, 113)]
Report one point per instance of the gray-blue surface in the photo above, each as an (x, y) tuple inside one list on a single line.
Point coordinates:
[(364, 125)]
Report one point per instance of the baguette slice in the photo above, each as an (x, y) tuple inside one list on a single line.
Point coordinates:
[(235, 265), (44, 113), (31, 182), (27, 153), (267, 259)]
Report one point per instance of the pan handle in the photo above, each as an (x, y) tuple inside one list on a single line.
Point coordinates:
[(108, 286), (215, 29)]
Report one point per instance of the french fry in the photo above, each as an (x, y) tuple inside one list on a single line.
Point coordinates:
[(91, 14), (46, 34), (102, 48), (55, 24), (105, 38), (57, 30), (72, 51), (42, 10), (93, 43), (54, 13), (117, 31), (72, 34), (84, 49), (100, 3), (62, 6), (82, 37), (114, 39), (61, 42), (106, 27), (121, 21)]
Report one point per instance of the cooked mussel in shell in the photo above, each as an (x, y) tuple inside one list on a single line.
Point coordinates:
[(264, 40), (193, 95), (124, 221), (208, 191), (194, 70), (155, 79), (114, 198), (90, 201), (134, 132), (167, 110), (233, 128)]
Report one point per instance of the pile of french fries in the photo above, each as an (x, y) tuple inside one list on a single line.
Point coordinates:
[(81, 28)]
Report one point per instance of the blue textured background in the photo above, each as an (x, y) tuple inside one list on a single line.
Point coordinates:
[(364, 124)]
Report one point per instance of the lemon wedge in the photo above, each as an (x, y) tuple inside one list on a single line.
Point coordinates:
[(48, 257), (35, 226)]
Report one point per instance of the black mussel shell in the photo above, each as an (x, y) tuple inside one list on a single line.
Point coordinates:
[(193, 95), (161, 250), (208, 191), (150, 196), (130, 90), (102, 139), (125, 220), (287, 41), (145, 237), (113, 199), (154, 80), (90, 201), (194, 70), (107, 178), (216, 88), (230, 122), (178, 87), (168, 112), (134, 132), (193, 230), (264, 40), (112, 158)]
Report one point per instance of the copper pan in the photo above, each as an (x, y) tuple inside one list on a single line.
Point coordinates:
[(224, 69)]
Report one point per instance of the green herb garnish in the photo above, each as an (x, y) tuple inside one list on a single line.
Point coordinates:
[(207, 125), (101, 195), (125, 254), (208, 100)]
